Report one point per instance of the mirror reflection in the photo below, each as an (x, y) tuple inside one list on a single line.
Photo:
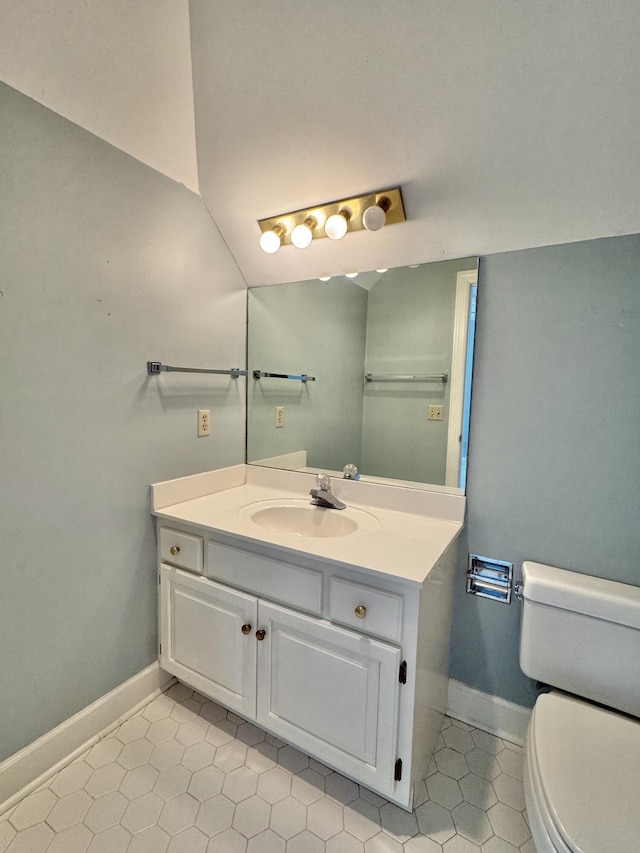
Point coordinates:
[(373, 371)]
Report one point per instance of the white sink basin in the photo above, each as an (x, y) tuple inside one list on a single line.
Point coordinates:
[(300, 518)]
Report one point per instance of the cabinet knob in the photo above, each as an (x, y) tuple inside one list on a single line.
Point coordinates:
[(246, 629), (175, 549), (260, 634), (360, 611)]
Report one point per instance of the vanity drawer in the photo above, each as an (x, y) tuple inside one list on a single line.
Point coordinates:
[(181, 549), (372, 611), (266, 577)]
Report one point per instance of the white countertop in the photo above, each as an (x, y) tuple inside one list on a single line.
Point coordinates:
[(404, 546)]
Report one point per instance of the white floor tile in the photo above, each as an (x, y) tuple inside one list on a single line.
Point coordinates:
[(241, 784), (325, 818), (508, 824), (106, 811), (69, 810), (142, 813), (215, 815), (362, 819), (113, 840), (252, 816), (33, 809), (75, 839), (288, 817), (206, 783), (183, 776), (35, 839)]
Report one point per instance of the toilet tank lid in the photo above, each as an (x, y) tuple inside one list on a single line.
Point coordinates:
[(603, 599)]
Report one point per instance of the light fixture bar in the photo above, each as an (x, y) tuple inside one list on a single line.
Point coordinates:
[(390, 199)]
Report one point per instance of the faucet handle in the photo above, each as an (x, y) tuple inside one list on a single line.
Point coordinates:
[(323, 482)]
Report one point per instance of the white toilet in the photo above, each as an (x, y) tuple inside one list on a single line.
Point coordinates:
[(581, 635)]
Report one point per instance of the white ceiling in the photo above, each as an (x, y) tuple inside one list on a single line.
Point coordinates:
[(508, 124), (120, 70)]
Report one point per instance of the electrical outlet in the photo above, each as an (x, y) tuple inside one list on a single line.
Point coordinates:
[(436, 413), (204, 419), (279, 416)]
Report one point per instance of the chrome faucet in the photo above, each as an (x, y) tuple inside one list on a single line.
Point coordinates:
[(322, 495)]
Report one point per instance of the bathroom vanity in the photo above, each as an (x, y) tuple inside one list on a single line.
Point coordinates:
[(327, 628)]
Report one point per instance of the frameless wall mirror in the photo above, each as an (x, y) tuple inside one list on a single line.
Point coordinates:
[(373, 371)]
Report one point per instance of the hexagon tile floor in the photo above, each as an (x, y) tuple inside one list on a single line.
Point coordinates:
[(185, 776)]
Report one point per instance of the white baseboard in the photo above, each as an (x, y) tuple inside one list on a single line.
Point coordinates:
[(490, 713), (32, 766)]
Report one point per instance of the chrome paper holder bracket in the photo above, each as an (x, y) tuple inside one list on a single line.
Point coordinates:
[(490, 578)]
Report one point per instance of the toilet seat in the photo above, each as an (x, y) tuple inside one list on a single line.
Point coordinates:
[(583, 777)]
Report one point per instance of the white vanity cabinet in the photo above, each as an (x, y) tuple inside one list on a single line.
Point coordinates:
[(331, 692), (207, 638), (347, 666)]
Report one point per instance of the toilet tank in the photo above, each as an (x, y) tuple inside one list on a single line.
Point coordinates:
[(582, 634)]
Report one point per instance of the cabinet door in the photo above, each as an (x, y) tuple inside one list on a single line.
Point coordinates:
[(331, 691), (202, 640)]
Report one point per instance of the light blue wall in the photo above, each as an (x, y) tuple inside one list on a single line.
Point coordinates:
[(105, 264), (317, 328), (554, 472)]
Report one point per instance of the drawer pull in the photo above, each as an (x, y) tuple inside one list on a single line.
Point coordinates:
[(246, 629), (360, 611), (174, 550), (260, 634)]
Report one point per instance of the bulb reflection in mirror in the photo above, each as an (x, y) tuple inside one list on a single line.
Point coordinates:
[(351, 274)]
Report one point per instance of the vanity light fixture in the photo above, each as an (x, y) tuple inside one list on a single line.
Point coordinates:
[(334, 219)]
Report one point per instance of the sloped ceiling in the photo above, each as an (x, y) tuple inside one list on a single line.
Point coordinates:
[(120, 70), (508, 124)]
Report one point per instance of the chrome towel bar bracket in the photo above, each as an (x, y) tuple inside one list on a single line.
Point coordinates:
[(406, 377), (259, 374), (155, 367)]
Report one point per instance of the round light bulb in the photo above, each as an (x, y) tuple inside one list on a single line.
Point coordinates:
[(325, 278), (336, 226), (270, 242), (374, 218), (351, 274), (302, 234), (386, 269)]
